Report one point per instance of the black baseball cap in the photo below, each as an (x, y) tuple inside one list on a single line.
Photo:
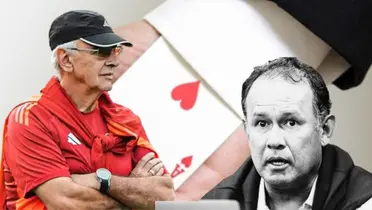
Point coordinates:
[(88, 26)]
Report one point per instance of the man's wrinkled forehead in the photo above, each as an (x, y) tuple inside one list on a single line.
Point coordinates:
[(279, 93)]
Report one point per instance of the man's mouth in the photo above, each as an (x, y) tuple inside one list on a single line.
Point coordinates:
[(107, 74), (277, 161)]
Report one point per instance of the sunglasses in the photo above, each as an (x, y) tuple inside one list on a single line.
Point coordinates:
[(101, 51)]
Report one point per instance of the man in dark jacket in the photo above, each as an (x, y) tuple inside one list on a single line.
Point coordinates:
[(345, 26), (292, 165)]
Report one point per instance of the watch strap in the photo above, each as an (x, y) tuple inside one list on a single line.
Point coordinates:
[(104, 186)]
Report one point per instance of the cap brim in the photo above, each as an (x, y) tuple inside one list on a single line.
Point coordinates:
[(106, 40)]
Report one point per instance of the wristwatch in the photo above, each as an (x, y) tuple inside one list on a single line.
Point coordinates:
[(104, 177)]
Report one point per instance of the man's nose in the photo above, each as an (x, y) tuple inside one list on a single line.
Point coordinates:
[(276, 139), (112, 61)]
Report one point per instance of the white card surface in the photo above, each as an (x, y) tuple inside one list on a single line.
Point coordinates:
[(147, 88), (224, 40)]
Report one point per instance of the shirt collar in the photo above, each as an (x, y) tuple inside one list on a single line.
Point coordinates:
[(261, 204)]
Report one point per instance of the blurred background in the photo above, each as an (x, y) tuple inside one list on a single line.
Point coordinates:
[(25, 64)]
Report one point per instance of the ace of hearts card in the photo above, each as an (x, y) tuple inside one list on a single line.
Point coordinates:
[(183, 119)]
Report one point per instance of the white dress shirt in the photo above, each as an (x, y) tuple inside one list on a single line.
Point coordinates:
[(307, 205)]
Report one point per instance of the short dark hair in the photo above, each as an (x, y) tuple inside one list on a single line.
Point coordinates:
[(294, 71)]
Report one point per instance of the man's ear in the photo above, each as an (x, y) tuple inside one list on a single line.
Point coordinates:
[(327, 128), (64, 60), (245, 128), (245, 125)]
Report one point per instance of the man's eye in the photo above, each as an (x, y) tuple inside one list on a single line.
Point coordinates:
[(291, 123), (262, 124)]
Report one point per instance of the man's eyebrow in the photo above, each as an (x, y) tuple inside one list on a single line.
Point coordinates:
[(260, 114), (293, 113), (284, 114)]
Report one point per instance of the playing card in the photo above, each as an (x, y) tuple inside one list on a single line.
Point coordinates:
[(184, 121), (224, 40)]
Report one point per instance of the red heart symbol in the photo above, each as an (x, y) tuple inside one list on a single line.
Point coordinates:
[(187, 94), (187, 161)]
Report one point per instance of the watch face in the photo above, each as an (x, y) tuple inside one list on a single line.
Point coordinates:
[(103, 173)]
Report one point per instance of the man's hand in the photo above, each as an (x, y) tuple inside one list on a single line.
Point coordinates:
[(136, 192), (64, 193), (148, 166), (90, 180), (142, 192)]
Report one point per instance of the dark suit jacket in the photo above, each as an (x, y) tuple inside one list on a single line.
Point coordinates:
[(346, 25)]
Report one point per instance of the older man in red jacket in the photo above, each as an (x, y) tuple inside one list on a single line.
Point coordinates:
[(71, 147)]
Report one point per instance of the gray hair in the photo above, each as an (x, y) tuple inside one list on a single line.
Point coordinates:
[(64, 46)]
